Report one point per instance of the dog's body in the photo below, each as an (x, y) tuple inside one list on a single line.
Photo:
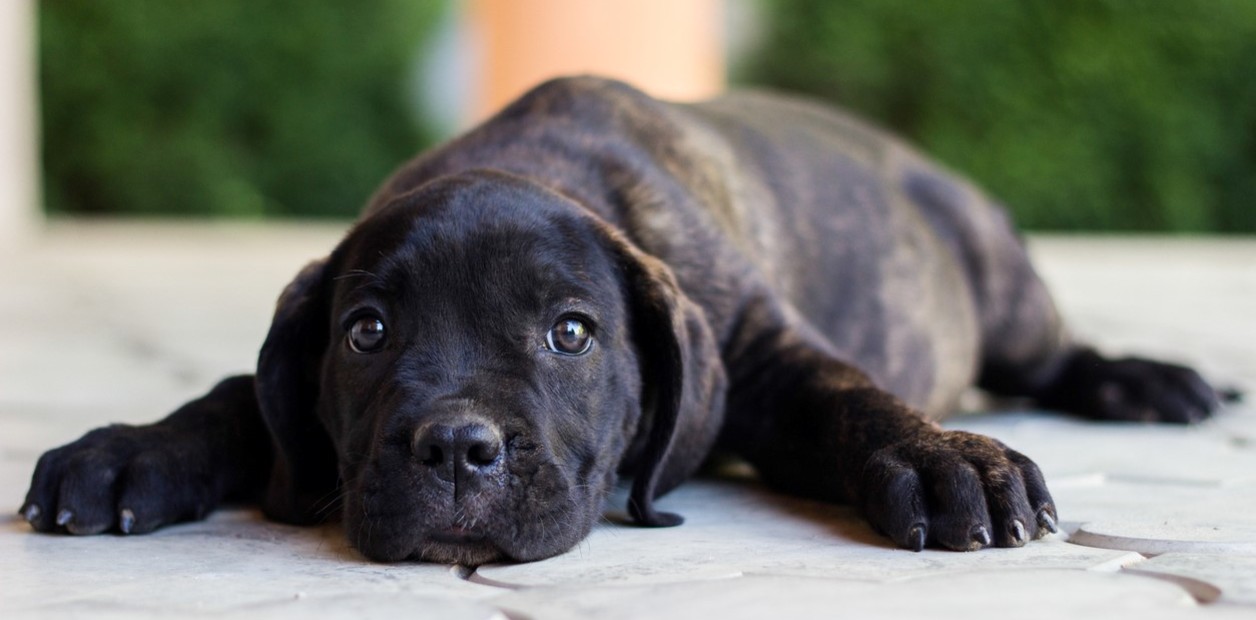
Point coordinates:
[(751, 274)]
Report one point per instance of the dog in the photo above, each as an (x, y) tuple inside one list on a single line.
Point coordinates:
[(595, 284)]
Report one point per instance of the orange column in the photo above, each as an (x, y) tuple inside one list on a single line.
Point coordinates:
[(673, 49)]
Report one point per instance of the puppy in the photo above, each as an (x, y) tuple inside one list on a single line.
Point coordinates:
[(596, 284)]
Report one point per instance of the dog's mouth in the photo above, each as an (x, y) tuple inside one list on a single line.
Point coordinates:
[(456, 536), (458, 545), (390, 518)]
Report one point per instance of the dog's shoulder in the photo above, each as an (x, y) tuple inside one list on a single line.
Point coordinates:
[(572, 134)]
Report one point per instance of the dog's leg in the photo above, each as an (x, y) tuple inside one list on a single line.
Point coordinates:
[(1026, 351), (134, 479), (1129, 388), (815, 426)]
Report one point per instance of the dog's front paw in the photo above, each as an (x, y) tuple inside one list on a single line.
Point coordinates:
[(121, 478), (955, 490)]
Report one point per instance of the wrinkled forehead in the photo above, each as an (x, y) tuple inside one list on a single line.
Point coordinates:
[(477, 239)]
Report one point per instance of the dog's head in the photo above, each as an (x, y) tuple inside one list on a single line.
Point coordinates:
[(473, 363)]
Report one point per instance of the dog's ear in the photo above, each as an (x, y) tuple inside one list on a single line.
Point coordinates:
[(304, 471), (682, 375)]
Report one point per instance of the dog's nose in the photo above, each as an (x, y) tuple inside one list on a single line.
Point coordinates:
[(455, 448)]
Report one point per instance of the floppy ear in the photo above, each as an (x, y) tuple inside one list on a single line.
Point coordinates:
[(682, 374), (304, 472)]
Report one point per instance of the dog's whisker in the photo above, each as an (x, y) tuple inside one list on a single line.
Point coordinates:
[(357, 273)]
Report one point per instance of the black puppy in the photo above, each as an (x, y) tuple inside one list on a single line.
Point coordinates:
[(595, 283)]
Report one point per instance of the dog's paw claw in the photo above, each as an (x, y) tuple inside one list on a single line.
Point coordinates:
[(1046, 523), (126, 520), (65, 517), (980, 538), (916, 538), (31, 513), (1016, 530)]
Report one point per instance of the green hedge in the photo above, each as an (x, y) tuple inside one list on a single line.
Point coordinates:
[(1079, 114), (227, 107)]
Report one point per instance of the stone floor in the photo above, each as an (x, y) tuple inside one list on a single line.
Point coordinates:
[(109, 322)]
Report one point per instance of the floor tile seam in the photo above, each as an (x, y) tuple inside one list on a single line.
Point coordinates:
[(1204, 593)]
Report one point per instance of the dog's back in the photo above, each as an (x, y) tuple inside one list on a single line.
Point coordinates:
[(890, 258), (829, 209)]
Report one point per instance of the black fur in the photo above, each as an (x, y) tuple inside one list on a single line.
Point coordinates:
[(761, 276)]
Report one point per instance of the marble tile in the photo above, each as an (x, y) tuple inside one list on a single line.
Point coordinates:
[(1030, 593), (1116, 501), (235, 563), (1225, 578), (1224, 534), (1217, 453)]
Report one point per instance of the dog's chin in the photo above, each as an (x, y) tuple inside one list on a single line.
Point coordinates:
[(464, 549), (465, 553), (430, 527)]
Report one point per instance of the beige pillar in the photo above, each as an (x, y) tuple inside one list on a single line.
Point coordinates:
[(672, 49), (19, 150)]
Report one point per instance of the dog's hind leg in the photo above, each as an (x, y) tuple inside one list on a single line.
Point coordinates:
[(1026, 350), (134, 479)]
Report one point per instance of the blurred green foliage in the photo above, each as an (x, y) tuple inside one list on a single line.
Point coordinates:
[(226, 107), (1079, 114)]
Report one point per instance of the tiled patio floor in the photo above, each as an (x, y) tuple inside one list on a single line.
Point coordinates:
[(109, 322)]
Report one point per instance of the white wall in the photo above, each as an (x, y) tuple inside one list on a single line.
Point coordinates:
[(19, 126)]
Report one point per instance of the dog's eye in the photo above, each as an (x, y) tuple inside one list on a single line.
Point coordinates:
[(569, 336), (366, 335)]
